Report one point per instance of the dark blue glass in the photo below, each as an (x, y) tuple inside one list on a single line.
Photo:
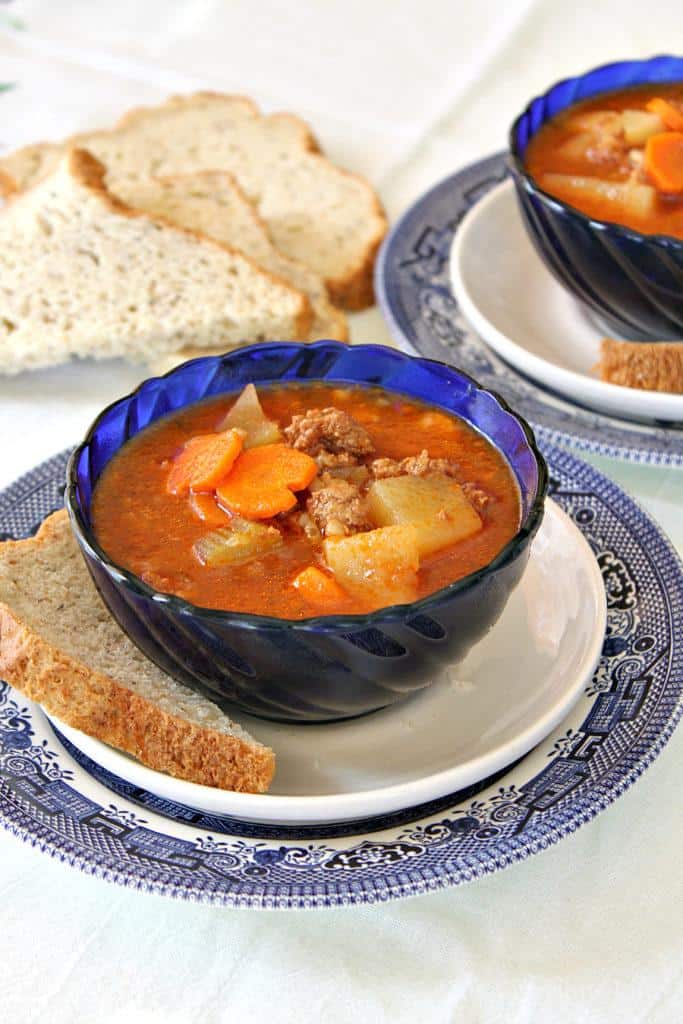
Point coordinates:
[(634, 282), (323, 668)]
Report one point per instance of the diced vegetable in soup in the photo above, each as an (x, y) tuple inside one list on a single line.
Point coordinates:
[(617, 157), (435, 506), (303, 500), (378, 565)]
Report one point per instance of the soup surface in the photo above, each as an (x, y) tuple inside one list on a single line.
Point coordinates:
[(617, 157), (305, 500)]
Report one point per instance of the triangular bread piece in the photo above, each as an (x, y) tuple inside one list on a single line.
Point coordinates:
[(82, 274), (212, 203), (327, 218), (59, 646)]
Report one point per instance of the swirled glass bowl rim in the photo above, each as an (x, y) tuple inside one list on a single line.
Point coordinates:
[(325, 623), (516, 160)]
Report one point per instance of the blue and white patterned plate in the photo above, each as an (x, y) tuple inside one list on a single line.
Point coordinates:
[(52, 796), (412, 281)]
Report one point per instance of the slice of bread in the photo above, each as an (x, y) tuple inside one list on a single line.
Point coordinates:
[(59, 646), (212, 203), (650, 366), (82, 274), (327, 218)]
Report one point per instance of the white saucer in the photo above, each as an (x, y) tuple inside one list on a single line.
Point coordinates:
[(520, 310), (509, 694)]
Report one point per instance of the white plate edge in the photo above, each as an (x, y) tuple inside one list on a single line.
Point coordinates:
[(601, 396)]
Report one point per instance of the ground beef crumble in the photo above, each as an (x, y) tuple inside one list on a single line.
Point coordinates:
[(413, 465), (337, 507), (330, 436), (478, 498), (333, 460), (608, 151)]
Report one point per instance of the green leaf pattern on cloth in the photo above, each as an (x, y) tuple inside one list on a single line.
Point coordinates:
[(11, 21)]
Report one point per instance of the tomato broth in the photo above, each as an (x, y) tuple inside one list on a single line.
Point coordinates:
[(156, 534), (617, 157)]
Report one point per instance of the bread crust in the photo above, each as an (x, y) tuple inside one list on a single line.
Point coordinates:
[(106, 709), (356, 291), (308, 140), (8, 186), (648, 366)]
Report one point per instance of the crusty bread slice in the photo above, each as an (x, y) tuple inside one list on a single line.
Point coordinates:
[(327, 218), (650, 366), (83, 274), (59, 646), (212, 203)]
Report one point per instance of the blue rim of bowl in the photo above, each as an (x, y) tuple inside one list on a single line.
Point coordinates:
[(516, 161), (327, 623)]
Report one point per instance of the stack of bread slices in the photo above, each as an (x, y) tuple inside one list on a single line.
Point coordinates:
[(189, 228)]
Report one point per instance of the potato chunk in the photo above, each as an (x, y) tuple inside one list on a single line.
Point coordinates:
[(638, 200), (236, 543), (639, 125), (379, 566), (632, 198), (576, 146), (600, 122), (435, 505), (247, 415)]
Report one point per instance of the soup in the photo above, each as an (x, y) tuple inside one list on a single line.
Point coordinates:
[(617, 157), (304, 500)]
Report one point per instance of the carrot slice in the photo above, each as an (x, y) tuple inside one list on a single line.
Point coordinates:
[(318, 588), (664, 160), (204, 461), (667, 112), (205, 508), (261, 482)]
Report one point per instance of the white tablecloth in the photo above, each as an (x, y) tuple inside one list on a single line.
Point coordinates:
[(588, 931)]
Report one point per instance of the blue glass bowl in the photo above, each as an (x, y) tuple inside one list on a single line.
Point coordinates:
[(324, 668), (633, 282)]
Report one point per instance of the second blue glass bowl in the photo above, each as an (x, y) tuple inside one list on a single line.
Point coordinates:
[(325, 668), (632, 281)]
